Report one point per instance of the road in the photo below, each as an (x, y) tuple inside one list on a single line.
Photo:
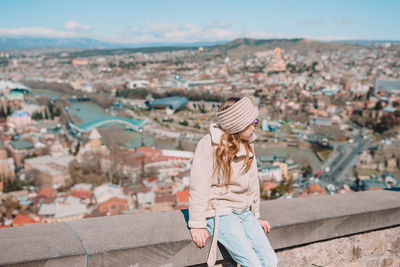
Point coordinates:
[(343, 161)]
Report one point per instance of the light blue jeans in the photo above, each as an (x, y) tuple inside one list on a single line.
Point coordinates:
[(244, 239)]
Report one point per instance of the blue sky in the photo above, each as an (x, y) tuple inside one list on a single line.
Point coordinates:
[(199, 21)]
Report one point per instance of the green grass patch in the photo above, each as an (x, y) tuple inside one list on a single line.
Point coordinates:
[(324, 154)]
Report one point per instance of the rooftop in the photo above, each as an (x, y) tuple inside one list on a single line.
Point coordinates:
[(19, 145), (173, 102)]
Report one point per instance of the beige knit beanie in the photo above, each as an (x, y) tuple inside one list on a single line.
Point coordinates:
[(238, 116)]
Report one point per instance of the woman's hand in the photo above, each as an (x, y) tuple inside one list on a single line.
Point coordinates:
[(264, 225), (199, 236)]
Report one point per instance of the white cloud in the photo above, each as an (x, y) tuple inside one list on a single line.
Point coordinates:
[(72, 29), (154, 32), (187, 33), (36, 32), (75, 26)]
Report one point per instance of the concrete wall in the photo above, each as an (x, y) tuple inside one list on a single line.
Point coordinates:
[(162, 238), (371, 249)]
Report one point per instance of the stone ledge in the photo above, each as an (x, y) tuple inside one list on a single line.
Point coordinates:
[(162, 238)]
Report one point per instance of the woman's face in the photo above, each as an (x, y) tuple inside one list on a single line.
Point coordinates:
[(246, 133)]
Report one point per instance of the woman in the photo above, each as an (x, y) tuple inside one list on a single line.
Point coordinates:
[(224, 188)]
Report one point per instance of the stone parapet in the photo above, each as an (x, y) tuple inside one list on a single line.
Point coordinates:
[(163, 239)]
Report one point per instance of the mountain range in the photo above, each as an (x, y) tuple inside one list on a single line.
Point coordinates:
[(238, 48), (7, 43)]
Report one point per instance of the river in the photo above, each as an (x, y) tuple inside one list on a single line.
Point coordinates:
[(89, 111)]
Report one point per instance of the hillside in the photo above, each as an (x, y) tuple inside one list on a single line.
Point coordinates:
[(235, 49), (242, 47)]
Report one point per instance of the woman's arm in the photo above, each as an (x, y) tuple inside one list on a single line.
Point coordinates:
[(200, 182), (256, 194), (255, 189)]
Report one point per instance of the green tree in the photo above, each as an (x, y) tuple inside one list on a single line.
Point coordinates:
[(179, 146), (2, 112), (51, 111), (57, 112), (78, 145), (355, 172), (285, 186), (184, 123), (16, 185), (307, 171), (9, 111), (37, 116)]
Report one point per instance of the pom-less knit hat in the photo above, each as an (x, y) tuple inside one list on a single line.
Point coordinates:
[(238, 116)]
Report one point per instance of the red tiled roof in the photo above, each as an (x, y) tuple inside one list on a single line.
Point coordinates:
[(315, 188), (47, 192), (20, 220), (80, 193), (182, 196), (149, 151), (165, 158), (375, 188), (151, 179), (165, 198), (268, 186), (6, 138)]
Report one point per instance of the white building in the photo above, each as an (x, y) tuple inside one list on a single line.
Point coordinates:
[(19, 119), (61, 212), (270, 174), (104, 192)]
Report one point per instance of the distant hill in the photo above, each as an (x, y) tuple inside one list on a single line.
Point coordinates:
[(235, 46), (235, 49), (244, 46), (121, 51), (7, 43)]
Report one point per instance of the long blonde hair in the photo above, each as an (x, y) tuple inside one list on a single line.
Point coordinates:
[(228, 147)]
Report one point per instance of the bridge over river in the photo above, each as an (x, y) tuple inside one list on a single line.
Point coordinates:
[(135, 125)]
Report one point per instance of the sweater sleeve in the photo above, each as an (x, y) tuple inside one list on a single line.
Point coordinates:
[(200, 182), (256, 192)]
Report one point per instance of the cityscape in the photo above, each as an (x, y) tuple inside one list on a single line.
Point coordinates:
[(96, 135), (97, 121)]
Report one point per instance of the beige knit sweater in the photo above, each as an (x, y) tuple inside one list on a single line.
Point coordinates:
[(242, 194)]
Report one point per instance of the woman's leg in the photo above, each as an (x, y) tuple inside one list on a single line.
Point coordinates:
[(259, 240), (232, 236)]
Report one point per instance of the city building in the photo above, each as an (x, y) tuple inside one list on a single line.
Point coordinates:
[(52, 171), (270, 174), (19, 119)]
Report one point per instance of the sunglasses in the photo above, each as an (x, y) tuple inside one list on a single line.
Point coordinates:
[(255, 122)]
